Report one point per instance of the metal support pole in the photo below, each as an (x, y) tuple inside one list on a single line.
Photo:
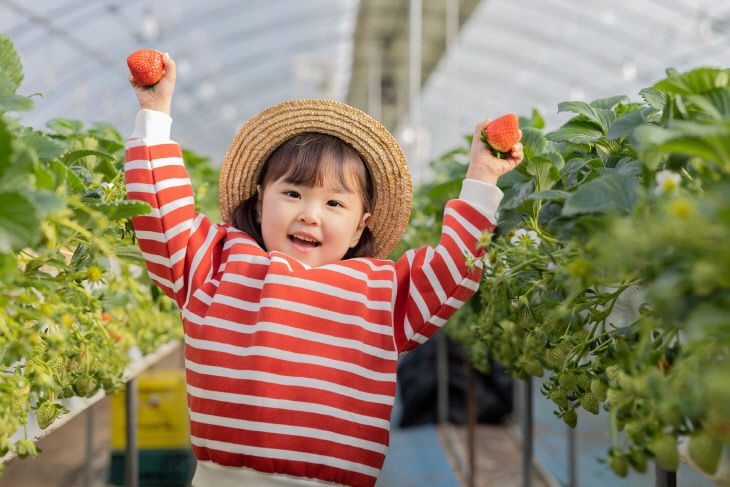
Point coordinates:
[(572, 480), (131, 456), (442, 378), (88, 467), (414, 79), (471, 414), (375, 79), (665, 478), (527, 432)]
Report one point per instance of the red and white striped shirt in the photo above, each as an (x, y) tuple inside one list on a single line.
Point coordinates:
[(291, 370)]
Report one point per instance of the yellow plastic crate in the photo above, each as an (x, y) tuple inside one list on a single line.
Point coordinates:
[(162, 411)]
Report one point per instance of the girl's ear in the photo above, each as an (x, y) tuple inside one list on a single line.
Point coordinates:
[(259, 199), (358, 232)]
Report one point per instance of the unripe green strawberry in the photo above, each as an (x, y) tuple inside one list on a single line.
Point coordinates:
[(704, 449), (534, 342), (664, 449), (534, 367), (637, 457), (570, 417), (619, 400), (568, 381), (46, 414), (589, 403), (583, 381), (634, 430), (84, 386), (26, 448), (599, 389), (612, 371), (619, 464), (5, 446), (559, 397)]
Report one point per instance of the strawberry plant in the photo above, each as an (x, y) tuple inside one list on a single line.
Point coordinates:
[(75, 301), (623, 208)]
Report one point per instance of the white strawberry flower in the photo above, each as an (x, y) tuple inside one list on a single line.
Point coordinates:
[(524, 237), (667, 181)]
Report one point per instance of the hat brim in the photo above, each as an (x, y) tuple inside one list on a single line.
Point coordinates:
[(263, 133)]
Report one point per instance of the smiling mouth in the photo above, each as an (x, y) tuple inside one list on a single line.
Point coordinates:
[(304, 241)]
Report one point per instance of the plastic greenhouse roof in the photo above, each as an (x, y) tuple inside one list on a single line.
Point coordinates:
[(238, 57)]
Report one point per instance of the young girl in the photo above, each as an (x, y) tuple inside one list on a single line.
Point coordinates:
[(293, 321)]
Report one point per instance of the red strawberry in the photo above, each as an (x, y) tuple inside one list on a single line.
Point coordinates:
[(502, 133), (145, 66)]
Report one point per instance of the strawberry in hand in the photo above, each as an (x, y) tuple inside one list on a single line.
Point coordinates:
[(146, 66), (502, 134)]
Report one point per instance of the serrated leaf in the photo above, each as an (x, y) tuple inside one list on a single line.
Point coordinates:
[(6, 149), (75, 183), (83, 174), (45, 147), (626, 123), (535, 121), (611, 102), (697, 81), (20, 224), (715, 103), (544, 171), (576, 132), (10, 63), (550, 195), (66, 127), (533, 142), (600, 116), (47, 201), (116, 210), (574, 165), (130, 253), (603, 194), (656, 99), (73, 156), (15, 103)]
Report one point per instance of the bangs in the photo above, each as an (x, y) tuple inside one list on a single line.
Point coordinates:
[(313, 159)]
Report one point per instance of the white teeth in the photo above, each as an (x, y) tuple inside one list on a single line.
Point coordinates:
[(300, 237)]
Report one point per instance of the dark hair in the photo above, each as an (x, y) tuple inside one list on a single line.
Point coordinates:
[(309, 159)]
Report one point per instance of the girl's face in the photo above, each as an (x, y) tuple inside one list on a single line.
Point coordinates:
[(315, 225)]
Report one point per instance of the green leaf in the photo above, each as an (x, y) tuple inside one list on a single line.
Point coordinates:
[(45, 147), (6, 149), (59, 172), (130, 253), (575, 165), (654, 98), (73, 156), (601, 116), (535, 121), (74, 181), (15, 103), (697, 81), (550, 195), (603, 194), (20, 224), (544, 171), (445, 191), (715, 103), (47, 201), (576, 132), (533, 142), (66, 127), (10, 64), (611, 102), (116, 210), (626, 123)]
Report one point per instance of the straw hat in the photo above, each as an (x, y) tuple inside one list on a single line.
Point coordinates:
[(258, 138)]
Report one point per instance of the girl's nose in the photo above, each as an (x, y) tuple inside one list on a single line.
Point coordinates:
[(309, 215)]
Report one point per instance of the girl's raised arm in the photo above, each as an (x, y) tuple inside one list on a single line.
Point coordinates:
[(179, 245)]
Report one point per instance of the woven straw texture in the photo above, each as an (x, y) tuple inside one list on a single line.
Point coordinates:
[(263, 133)]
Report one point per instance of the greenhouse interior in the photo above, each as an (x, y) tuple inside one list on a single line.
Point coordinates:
[(407, 242)]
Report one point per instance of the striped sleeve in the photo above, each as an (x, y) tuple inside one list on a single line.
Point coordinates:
[(434, 282), (173, 237)]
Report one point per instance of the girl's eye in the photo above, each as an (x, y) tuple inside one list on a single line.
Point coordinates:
[(292, 194), (334, 203)]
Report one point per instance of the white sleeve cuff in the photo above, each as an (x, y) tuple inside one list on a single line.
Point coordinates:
[(151, 125), (483, 196)]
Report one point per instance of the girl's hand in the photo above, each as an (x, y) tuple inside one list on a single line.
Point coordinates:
[(159, 96), (483, 166)]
